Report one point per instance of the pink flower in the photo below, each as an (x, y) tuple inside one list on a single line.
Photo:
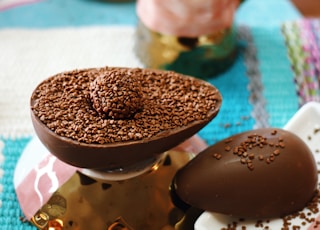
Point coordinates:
[(188, 18)]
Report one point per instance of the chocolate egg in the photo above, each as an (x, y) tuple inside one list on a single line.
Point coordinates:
[(94, 118), (262, 173)]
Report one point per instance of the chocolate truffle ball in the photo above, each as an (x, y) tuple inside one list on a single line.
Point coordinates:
[(263, 173), (116, 94)]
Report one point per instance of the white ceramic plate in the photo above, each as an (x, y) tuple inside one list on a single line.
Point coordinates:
[(34, 152), (306, 124)]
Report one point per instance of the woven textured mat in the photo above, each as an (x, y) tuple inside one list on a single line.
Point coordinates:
[(250, 97), (303, 41)]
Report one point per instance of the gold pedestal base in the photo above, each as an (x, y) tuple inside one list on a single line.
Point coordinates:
[(203, 57), (142, 202)]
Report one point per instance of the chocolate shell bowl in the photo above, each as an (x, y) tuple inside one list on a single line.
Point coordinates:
[(116, 118)]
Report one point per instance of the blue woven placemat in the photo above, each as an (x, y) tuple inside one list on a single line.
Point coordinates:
[(302, 38), (250, 100), (259, 90), (236, 110), (11, 216)]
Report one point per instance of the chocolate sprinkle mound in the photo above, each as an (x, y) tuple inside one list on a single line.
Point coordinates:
[(116, 94), (108, 105)]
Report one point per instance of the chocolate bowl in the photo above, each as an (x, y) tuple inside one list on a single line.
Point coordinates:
[(108, 154)]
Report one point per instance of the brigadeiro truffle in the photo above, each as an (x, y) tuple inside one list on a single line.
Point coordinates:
[(116, 94), (263, 173)]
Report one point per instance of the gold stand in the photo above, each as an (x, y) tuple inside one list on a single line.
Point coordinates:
[(204, 56), (141, 202)]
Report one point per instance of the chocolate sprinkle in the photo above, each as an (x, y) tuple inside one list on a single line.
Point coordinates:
[(253, 141), (109, 105)]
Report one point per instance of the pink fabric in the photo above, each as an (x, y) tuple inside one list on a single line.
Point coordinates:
[(38, 186), (193, 145), (190, 18), (7, 4)]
